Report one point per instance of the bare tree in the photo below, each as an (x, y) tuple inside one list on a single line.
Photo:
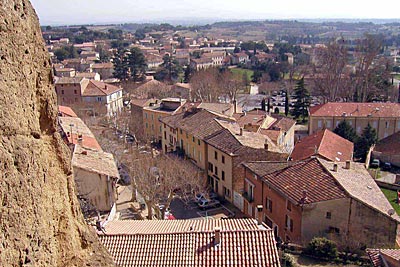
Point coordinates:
[(329, 73), (158, 179), (231, 84), (205, 85), (365, 54)]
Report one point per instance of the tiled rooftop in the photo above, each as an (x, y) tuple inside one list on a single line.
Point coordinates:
[(66, 111), (374, 110), (262, 168), (359, 184), (325, 143), (389, 145), (95, 161), (176, 226), (377, 256), (237, 247), (97, 88)]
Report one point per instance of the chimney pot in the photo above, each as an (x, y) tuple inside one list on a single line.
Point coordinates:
[(348, 165), (217, 237), (266, 145), (335, 167)]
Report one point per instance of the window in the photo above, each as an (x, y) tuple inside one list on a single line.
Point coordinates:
[(223, 176), (227, 192), (268, 204), (398, 125), (165, 135), (193, 139), (145, 115), (328, 124), (210, 167), (223, 159), (198, 141), (289, 223), (75, 91), (328, 215), (216, 170), (375, 124), (333, 230), (147, 125), (288, 205), (387, 124), (99, 99), (250, 191), (180, 130), (62, 92), (215, 155), (319, 124), (200, 156)]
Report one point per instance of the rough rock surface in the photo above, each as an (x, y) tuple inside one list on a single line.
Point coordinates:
[(40, 220)]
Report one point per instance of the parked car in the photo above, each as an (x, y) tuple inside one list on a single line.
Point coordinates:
[(386, 166), (208, 203), (199, 197), (375, 163)]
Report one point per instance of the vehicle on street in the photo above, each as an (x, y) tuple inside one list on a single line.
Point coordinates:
[(386, 166), (208, 203), (374, 164), (199, 197)]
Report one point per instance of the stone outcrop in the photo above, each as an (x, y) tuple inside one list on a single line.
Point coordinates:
[(40, 220)]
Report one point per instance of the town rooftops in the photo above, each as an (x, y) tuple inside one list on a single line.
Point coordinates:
[(88, 75), (305, 182), (70, 80), (359, 184), (94, 161), (345, 109), (108, 65), (97, 88), (65, 111), (75, 131), (202, 60), (389, 145), (228, 245), (326, 144), (262, 168), (130, 227)]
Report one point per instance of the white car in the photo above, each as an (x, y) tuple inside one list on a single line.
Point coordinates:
[(208, 203)]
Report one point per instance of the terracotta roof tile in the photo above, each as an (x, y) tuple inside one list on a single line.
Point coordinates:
[(306, 176), (66, 111), (176, 226), (262, 168), (356, 110), (94, 161), (243, 247), (389, 145), (97, 88), (377, 256), (325, 143)]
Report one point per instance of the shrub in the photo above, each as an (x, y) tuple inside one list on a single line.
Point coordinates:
[(288, 260), (322, 247)]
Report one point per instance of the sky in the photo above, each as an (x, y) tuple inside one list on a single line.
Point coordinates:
[(55, 12)]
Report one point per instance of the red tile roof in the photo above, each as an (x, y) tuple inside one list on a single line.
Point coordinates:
[(377, 256), (97, 88), (66, 111), (375, 110), (389, 145), (247, 247), (325, 143), (176, 226), (306, 176)]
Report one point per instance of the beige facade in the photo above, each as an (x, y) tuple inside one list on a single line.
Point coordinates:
[(220, 168), (99, 189), (194, 148), (383, 126)]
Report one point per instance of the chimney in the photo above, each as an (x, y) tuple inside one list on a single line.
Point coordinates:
[(266, 144), (335, 167), (84, 152), (348, 165), (234, 106), (217, 236), (259, 214), (241, 131), (105, 87)]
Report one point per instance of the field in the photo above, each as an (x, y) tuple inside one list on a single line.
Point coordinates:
[(391, 195), (241, 72)]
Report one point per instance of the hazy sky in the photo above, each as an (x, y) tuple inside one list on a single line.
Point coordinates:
[(106, 11)]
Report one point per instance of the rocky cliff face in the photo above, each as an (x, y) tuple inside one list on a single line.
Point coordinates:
[(40, 220)]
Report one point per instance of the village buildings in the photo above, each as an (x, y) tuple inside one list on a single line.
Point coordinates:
[(383, 117)]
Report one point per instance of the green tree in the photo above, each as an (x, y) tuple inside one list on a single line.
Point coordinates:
[(137, 64), (366, 140), (121, 65), (322, 247), (187, 74), (172, 67), (346, 131), (302, 97), (255, 78), (286, 103)]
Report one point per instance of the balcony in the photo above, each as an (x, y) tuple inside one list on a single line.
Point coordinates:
[(248, 197)]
